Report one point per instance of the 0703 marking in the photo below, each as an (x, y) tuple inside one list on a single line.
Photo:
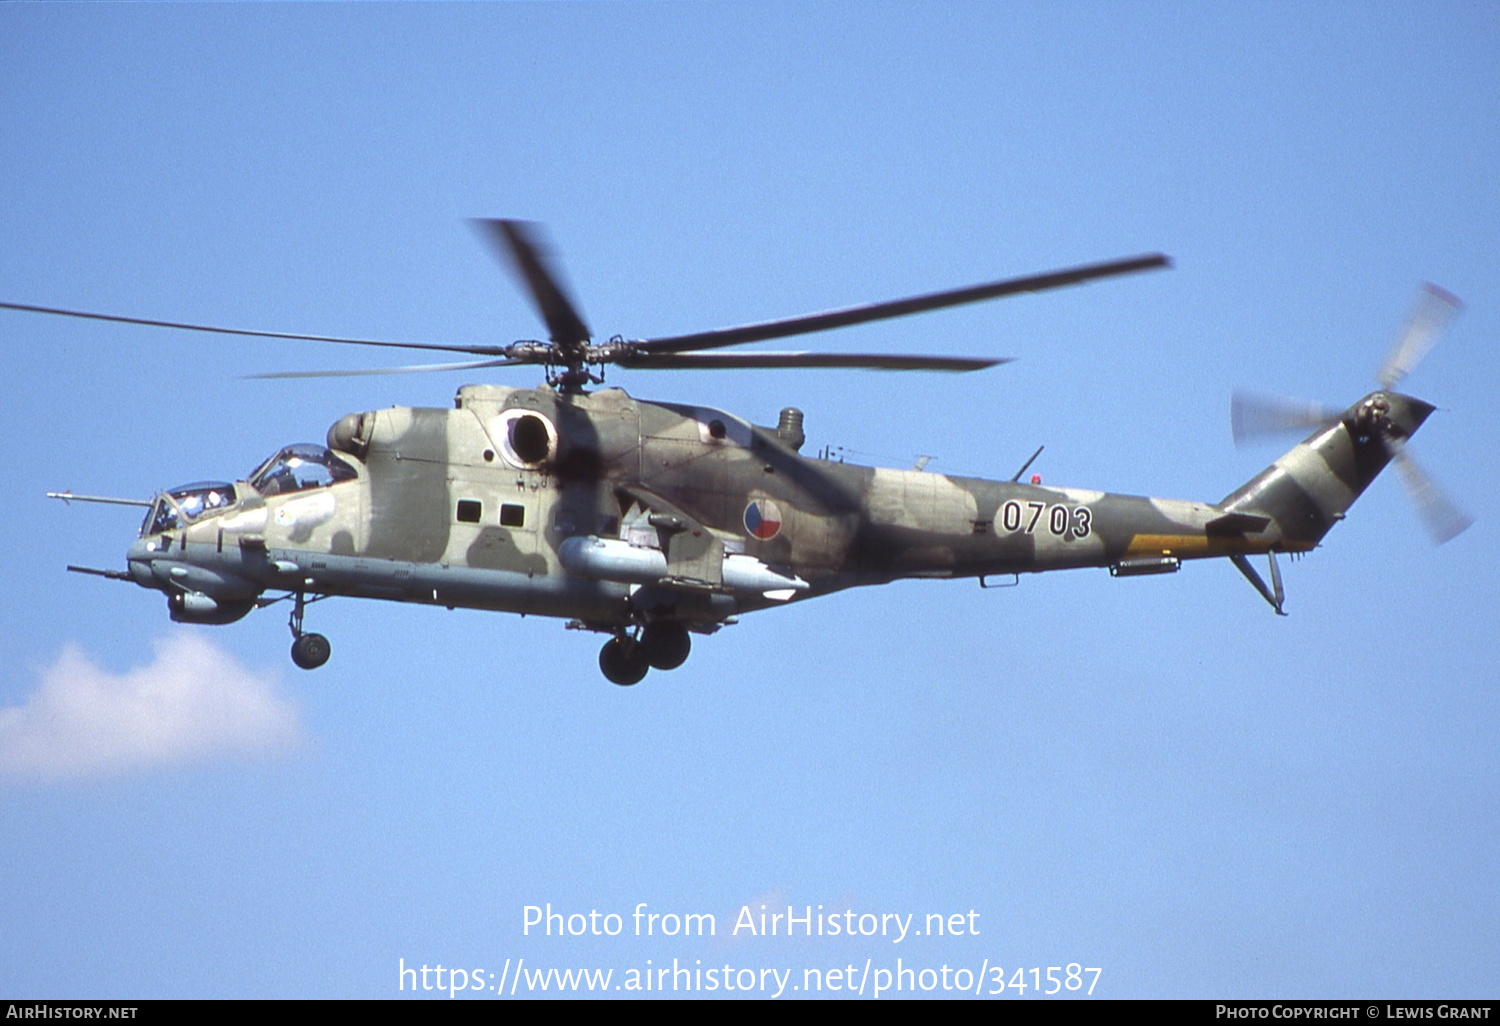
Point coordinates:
[(1062, 520)]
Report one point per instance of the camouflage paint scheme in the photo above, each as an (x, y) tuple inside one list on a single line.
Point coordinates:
[(472, 506), (647, 521)]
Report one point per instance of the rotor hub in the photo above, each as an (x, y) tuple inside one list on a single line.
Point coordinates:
[(1374, 415)]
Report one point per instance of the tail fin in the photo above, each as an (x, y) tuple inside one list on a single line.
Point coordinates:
[(1312, 486)]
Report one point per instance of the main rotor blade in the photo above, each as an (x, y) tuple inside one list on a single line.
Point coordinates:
[(1252, 416), (524, 245), (1443, 518), (371, 371), (897, 307), (781, 361), (1435, 308), (218, 330)]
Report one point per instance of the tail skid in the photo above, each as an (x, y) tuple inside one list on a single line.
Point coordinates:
[(1275, 594)]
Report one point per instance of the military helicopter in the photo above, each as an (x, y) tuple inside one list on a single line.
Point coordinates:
[(650, 522)]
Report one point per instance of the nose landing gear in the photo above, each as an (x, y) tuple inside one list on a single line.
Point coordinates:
[(309, 651)]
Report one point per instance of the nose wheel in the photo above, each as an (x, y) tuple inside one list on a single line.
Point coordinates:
[(309, 651)]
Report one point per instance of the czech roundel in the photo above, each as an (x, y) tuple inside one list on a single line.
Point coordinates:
[(763, 519)]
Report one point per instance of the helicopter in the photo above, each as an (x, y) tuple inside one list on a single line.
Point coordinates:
[(650, 522)]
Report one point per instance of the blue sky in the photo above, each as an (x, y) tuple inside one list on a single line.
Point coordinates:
[(1156, 777)]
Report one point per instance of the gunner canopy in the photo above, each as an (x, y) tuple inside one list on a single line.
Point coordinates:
[(186, 504)]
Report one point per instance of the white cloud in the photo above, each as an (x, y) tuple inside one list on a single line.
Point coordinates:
[(194, 702)]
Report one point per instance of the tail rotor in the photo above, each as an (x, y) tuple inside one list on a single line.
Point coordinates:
[(1254, 415)]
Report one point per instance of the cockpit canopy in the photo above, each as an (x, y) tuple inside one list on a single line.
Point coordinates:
[(186, 504), (298, 468)]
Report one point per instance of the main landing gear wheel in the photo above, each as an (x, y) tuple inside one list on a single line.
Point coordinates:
[(623, 661), (666, 645), (311, 651)]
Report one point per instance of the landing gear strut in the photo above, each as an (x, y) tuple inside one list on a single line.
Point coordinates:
[(309, 651)]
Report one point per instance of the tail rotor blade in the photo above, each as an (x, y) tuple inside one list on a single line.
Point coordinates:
[(1435, 308), (1443, 518), (1252, 416)]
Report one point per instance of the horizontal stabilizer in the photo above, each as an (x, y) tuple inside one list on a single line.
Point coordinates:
[(1238, 523)]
